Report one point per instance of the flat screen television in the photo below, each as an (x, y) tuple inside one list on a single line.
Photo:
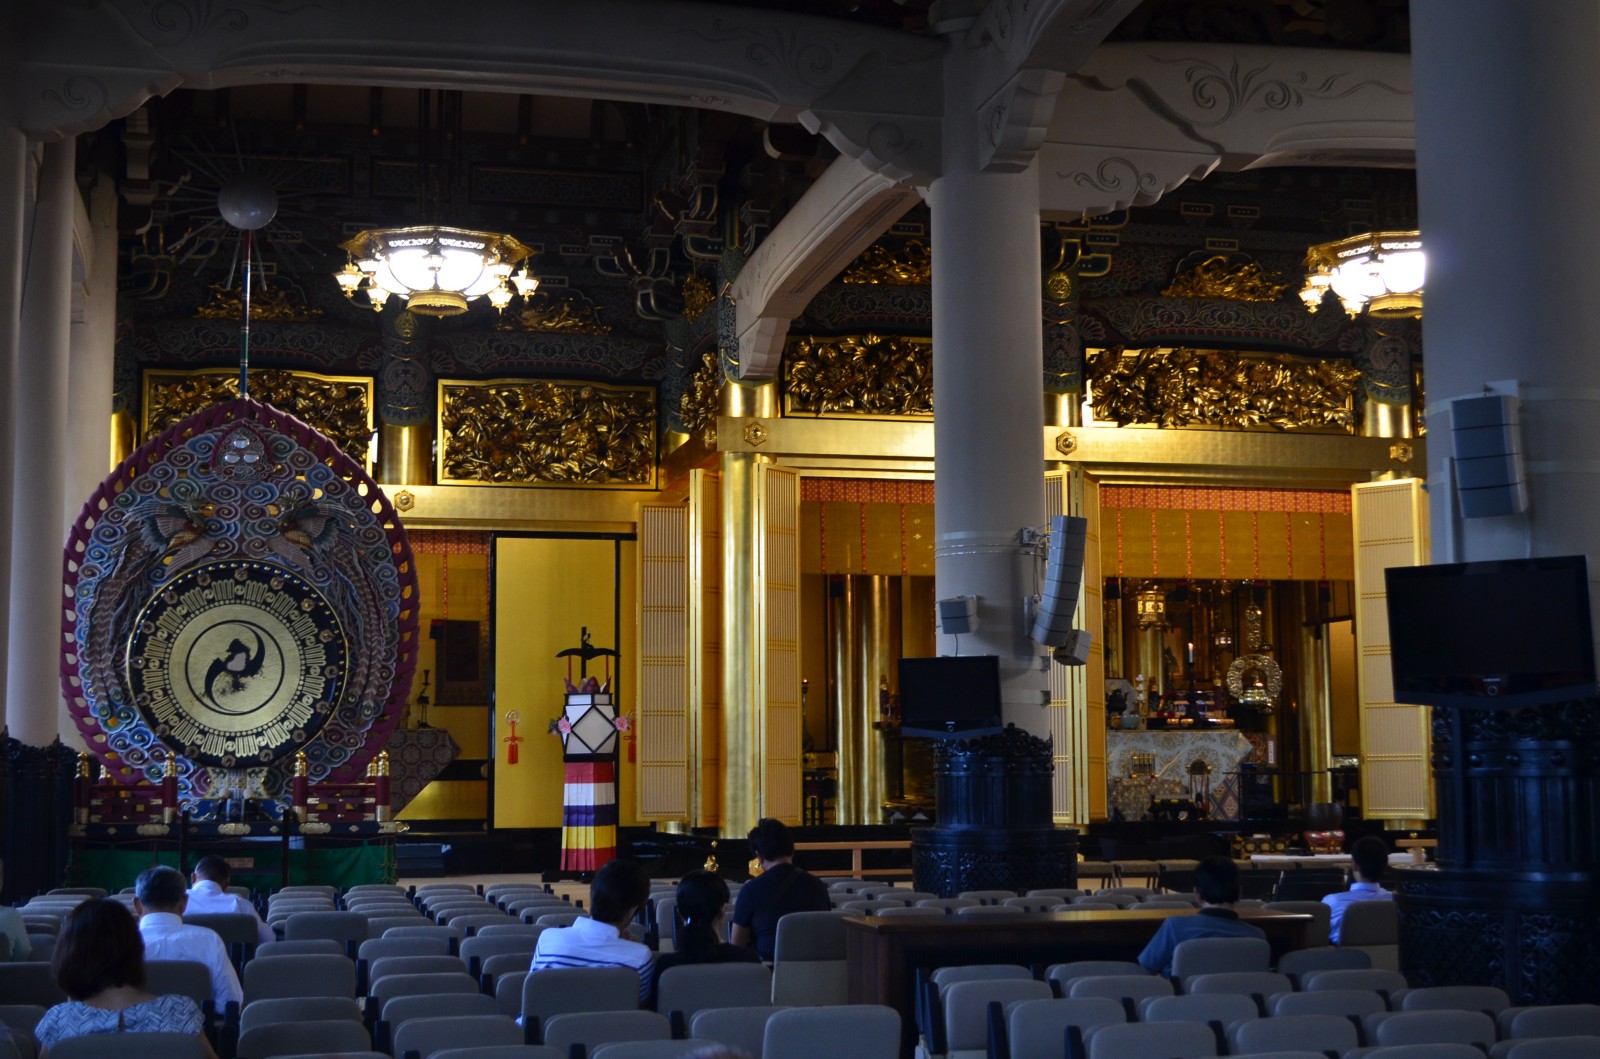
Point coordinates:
[(1504, 633), (950, 697)]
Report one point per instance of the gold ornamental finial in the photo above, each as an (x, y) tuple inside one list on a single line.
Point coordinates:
[(372, 768), (300, 767), (83, 766), (170, 768), (383, 762)]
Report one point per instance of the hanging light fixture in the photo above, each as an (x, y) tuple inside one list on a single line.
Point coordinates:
[(435, 270), (1380, 273)]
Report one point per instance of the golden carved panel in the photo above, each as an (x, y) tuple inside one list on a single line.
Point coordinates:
[(275, 305), (1221, 276), (697, 296), (859, 375), (911, 266), (1185, 387), (555, 312), (697, 407), (339, 406), (546, 432)]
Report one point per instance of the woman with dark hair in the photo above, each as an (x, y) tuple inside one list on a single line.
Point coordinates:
[(99, 964), (701, 906)]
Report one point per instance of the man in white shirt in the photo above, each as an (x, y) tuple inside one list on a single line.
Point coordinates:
[(159, 899), (1369, 859), (619, 890), (209, 896)]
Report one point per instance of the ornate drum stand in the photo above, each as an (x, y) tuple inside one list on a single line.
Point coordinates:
[(1515, 899), (995, 830)]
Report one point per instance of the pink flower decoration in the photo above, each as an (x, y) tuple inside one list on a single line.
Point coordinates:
[(621, 722), (564, 726)]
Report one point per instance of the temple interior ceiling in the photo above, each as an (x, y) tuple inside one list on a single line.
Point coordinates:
[(641, 217)]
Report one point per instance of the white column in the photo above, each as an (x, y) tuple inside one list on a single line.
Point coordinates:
[(91, 371), (13, 183), (1516, 143), (988, 395), (39, 430)]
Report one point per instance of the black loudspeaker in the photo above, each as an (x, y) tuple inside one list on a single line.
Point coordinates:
[(958, 614), (1487, 438), (1063, 578)]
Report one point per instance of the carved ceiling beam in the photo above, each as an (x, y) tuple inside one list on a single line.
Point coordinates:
[(1137, 120), (837, 218), (873, 91)]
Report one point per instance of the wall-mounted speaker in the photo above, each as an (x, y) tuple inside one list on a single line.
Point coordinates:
[(958, 614), (1486, 436), (1063, 578), (1075, 652)]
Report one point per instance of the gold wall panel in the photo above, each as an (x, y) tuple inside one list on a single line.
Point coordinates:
[(339, 406), (1390, 520), (1235, 391), (546, 590), (449, 800), (894, 538), (858, 375), (705, 648), (663, 668), (546, 432), (1233, 545), (778, 489)]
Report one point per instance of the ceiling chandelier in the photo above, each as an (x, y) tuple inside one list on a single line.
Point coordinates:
[(1380, 273), (435, 270)]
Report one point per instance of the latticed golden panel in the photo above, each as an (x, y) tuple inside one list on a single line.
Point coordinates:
[(546, 432), (339, 406)]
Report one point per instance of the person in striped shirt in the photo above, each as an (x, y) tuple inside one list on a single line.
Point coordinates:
[(619, 891)]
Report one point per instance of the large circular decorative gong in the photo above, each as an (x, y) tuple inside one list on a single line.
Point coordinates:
[(237, 662)]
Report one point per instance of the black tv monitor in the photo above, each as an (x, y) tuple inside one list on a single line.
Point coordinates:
[(1504, 633), (950, 697)]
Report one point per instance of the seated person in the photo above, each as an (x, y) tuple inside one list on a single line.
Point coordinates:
[(1369, 859), (619, 891), (781, 888), (1216, 883), (702, 905), (99, 963), (209, 896), (160, 899)]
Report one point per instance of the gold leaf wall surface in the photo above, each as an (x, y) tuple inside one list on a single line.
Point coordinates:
[(339, 406), (859, 375), (1185, 387), (544, 432)]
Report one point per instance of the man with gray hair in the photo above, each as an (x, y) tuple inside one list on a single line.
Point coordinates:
[(159, 898)]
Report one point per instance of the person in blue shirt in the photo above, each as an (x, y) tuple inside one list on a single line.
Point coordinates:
[(1369, 859), (1216, 883)]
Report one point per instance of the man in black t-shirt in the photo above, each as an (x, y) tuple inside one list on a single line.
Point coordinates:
[(781, 888)]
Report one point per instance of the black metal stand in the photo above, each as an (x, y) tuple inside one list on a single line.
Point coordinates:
[(1514, 900), (995, 830)]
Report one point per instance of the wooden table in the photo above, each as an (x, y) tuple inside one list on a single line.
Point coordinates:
[(885, 953), (857, 869)]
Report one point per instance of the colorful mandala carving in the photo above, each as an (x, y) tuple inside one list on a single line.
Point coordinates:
[(238, 501)]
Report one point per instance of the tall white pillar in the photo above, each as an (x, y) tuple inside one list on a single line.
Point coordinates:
[(38, 467), (1507, 131), (988, 396), (91, 370), (13, 192)]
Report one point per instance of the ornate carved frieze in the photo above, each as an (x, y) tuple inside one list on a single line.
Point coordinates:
[(1148, 321), (697, 407), (564, 312), (875, 375), (545, 432), (1231, 277), (227, 303), (697, 296), (339, 406), (1185, 387), (909, 266), (863, 307)]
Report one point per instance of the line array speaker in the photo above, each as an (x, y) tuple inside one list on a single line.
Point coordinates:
[(1063, 579), (1487, 438)]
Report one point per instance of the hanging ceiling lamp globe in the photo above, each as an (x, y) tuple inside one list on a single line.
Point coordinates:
[(435, 270), (1380, 273)]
